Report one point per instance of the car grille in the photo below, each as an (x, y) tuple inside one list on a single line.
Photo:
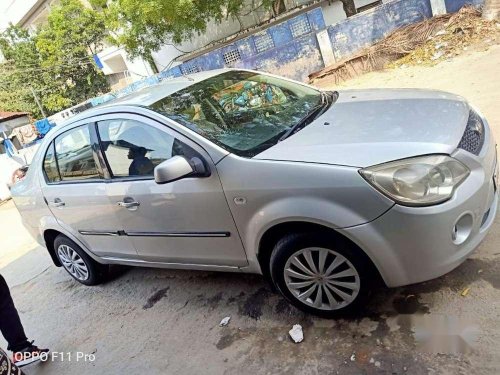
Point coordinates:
[(473, 137)]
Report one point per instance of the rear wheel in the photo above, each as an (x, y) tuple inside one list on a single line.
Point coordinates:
[(320, 274), (77, 263)]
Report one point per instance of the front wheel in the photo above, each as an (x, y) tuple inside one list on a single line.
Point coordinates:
[(320, 274), (77, 263)]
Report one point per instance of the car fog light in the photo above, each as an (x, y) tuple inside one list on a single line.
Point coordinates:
[(462, 229)]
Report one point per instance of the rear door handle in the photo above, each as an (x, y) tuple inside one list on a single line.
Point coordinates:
[(129, 204)]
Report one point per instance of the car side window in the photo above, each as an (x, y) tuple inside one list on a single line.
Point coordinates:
[(133, 148), (50, 165), (74, 155)]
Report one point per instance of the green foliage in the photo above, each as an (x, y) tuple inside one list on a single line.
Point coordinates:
[(16, 74), (57, 61), (143, 26)]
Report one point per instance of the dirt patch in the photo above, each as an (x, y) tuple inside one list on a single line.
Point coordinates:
[(227, 340), (155, 298), (409, 304), (254, 303), (213, 301)]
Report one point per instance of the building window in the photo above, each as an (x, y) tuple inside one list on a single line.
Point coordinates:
[(190, 69), (369, 6), (263, 41), (299, 26), (231, 57)]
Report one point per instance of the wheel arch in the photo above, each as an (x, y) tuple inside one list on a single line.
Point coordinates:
[(273, 234), (49, 237)]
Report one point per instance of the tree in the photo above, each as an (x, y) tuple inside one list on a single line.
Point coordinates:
[(491, 9), (66, 45), (56, 62), (349, 7), (144, 26), (18, 74)]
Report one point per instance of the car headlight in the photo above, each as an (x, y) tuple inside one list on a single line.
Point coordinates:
[(419, 181)]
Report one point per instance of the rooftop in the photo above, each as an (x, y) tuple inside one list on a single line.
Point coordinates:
[(6, 116)]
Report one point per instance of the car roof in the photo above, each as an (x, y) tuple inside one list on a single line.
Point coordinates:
[(151, 94)]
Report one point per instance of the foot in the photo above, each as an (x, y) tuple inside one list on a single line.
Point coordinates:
[(28, 355)]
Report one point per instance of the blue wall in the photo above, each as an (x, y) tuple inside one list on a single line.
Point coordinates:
[(453, 6), (291, 49), (354, 33), (288, 48)]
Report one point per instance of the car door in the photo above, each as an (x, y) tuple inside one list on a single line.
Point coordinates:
[(75, 190), (187, 221)]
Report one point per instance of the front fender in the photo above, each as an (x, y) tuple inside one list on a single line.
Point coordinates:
[(264, 193)]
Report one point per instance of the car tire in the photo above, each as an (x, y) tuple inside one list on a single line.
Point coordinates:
[(77, 263), (344, 280)]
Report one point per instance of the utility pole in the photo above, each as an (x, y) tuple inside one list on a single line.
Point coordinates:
[(38, 102)]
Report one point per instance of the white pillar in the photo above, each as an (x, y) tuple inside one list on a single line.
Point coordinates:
[(325, 46), (438, 7)]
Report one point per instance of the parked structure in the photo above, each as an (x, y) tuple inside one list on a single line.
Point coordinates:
[(11, 128)]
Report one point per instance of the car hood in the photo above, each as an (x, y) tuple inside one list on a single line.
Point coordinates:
[(368, 127)]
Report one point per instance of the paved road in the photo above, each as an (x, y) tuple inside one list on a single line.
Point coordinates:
[(162, 321)]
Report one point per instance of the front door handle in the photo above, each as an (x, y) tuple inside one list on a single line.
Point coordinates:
[(129, 204), (57, 203)]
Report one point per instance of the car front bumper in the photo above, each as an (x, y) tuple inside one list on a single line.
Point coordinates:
[(414, 244)]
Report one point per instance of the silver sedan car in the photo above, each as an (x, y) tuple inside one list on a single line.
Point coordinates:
[(322, 192)]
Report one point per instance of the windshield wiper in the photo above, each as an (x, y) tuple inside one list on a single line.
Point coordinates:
[(326, 100)]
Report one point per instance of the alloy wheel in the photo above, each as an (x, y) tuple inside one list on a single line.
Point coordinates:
[(73, 262), (322, 278)]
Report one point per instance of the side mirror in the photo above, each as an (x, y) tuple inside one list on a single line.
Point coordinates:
[(172, 169)]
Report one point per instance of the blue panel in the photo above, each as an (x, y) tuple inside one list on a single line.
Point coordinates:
[(402, 13), (307, 41), (316, 19), (453, 6), (211, 60), (246, 47), (280, 33), (358, 31), (228, 48), (299, 26), (176, 71), (165, 74)]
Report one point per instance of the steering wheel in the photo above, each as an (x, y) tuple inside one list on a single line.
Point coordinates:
[(216, 113)]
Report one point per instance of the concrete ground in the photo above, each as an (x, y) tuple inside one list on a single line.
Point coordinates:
[(167, 322)]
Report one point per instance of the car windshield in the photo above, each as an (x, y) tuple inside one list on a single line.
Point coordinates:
[(243, 112)]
